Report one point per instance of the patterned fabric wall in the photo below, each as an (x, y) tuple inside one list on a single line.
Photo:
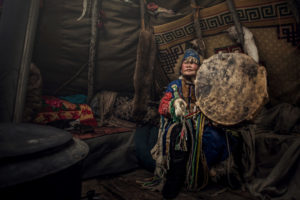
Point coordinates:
[(273, 26)]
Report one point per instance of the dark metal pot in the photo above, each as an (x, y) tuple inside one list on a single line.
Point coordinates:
[(39, 162)]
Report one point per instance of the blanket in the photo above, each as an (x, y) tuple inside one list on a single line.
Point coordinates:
[(55, 109), (271, 154)]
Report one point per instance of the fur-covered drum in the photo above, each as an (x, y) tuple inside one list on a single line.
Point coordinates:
[(230, 88)]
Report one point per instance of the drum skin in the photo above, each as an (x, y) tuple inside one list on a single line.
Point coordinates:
[(231, 88)]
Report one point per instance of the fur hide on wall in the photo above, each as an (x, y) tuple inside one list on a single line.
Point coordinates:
[(249, 43), (143, 75), (33, 102)]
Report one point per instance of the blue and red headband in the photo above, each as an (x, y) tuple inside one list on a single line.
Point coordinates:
[(191, 53)]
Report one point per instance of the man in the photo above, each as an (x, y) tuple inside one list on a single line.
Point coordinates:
[(182, 91), (187, 145)]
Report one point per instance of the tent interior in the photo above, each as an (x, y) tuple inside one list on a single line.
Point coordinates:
[(97, 70)]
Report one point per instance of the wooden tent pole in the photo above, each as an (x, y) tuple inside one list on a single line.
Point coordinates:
[(142, 7), (24, 67), (200, 42), (237, 22), (92, 51)]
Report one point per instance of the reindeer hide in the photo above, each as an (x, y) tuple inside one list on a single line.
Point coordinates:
[(143, 75)]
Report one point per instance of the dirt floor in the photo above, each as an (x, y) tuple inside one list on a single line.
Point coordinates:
[(125, 187)]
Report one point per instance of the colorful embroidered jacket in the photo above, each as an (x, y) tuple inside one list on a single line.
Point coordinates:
[(208, 144), (164, 106), (179, 88)]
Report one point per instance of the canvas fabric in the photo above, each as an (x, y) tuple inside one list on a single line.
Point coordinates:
[(62, 46), (62, 43)]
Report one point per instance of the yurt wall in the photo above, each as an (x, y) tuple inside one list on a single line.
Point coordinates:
[(62, 44)]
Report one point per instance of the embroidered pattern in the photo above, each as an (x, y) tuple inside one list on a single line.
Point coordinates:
[(171, 37), (288, 32)]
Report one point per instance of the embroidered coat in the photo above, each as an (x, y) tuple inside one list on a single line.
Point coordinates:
[(214, 146), (179, 88)]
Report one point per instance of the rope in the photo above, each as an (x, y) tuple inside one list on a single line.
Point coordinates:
[(199, 146), (196, 14), (197, 156), (192, 115), (70, 79), (202, 156), (92, 51), (228, 162), (189, 166), (195, 150)]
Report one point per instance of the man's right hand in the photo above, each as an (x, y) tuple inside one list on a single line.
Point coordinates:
[(180, 107)]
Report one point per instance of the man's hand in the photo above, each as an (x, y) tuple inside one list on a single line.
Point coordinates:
[(180, 107)]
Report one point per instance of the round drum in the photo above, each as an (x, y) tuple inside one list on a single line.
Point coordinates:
[(230, 88)]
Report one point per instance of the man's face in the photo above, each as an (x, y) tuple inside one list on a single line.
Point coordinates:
[(189, 68)]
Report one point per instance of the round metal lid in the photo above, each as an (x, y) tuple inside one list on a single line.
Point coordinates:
[(29, 152), (22, 139), (230, 88)]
